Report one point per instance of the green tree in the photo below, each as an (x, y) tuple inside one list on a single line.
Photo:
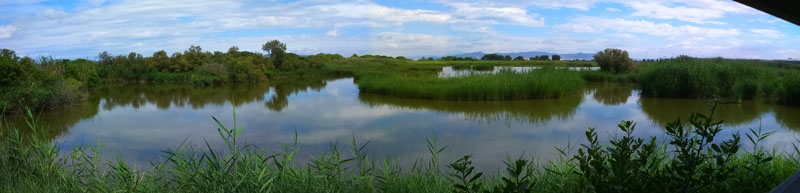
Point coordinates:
[(274, 48), (614, 60), (556, 57), (276, 51), (492, 57), (233, 51), (159, 61), (194, 57), (519, 58), (508, 57)]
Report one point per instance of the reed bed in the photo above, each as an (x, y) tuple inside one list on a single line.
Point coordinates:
[(789, 88), (690, 161), (504, 85), (696, 77)]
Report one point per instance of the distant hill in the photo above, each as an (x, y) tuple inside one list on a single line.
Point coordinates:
[(572, 56)]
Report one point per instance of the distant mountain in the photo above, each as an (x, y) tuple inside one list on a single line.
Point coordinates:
[(572, 56)]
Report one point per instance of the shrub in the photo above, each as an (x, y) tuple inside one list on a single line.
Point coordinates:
[(614, 60), (10, 71)]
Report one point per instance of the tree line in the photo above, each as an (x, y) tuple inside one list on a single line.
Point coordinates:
[(47, 83)]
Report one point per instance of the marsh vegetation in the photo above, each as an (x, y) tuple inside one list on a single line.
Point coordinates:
[(398, 95)]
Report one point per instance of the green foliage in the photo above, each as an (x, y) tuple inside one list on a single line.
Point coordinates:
[(789, 92), (494, 57), (11, 70), (542, 57), (246, 69), (82, 70), (48, 84), (519, 177), (614, 60), (694, 77), (274, 48), (622, 167), (464, 181), (455, 58), (209, 74), (505, 85), (556, 57)]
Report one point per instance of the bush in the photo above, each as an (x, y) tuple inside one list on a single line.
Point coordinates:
[(10, 71), (614, 60)]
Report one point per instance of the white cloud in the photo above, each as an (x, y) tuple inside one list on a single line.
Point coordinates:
[(6, 31), (727, 6), (598, 25), (548, 4), (695, 11), (471, 13), (400, 44), (332, 33), (146, 26), (768, 33), (658, 10), (381, 13)]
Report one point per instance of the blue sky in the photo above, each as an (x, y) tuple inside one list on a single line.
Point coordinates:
[(646, 28)]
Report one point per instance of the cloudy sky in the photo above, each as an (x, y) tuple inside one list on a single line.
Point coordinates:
[(646, 28)]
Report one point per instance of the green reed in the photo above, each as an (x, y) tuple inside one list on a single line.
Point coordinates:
[(695, 77), (504, 85)]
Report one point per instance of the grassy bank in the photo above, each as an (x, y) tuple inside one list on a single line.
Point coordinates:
[(504, 85), (687, 162)]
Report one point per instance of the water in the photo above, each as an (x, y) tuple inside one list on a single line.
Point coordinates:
[(137, 121), (450, 72)]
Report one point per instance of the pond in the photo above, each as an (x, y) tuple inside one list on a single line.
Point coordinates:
[(138, 121), (449, 71)]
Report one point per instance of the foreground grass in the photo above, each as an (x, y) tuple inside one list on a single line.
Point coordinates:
[(504, 85), (691, 161)]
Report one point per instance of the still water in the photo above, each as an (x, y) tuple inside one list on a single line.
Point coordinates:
[(137, 121)]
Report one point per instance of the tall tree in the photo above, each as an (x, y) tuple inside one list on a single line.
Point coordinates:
[(276, 50)]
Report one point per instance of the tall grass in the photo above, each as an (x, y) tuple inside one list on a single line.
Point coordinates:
[(691, 161), (789, 88), (694, 77), (504, 85)]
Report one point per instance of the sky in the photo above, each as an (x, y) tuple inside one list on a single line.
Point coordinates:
[(411, 28)]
